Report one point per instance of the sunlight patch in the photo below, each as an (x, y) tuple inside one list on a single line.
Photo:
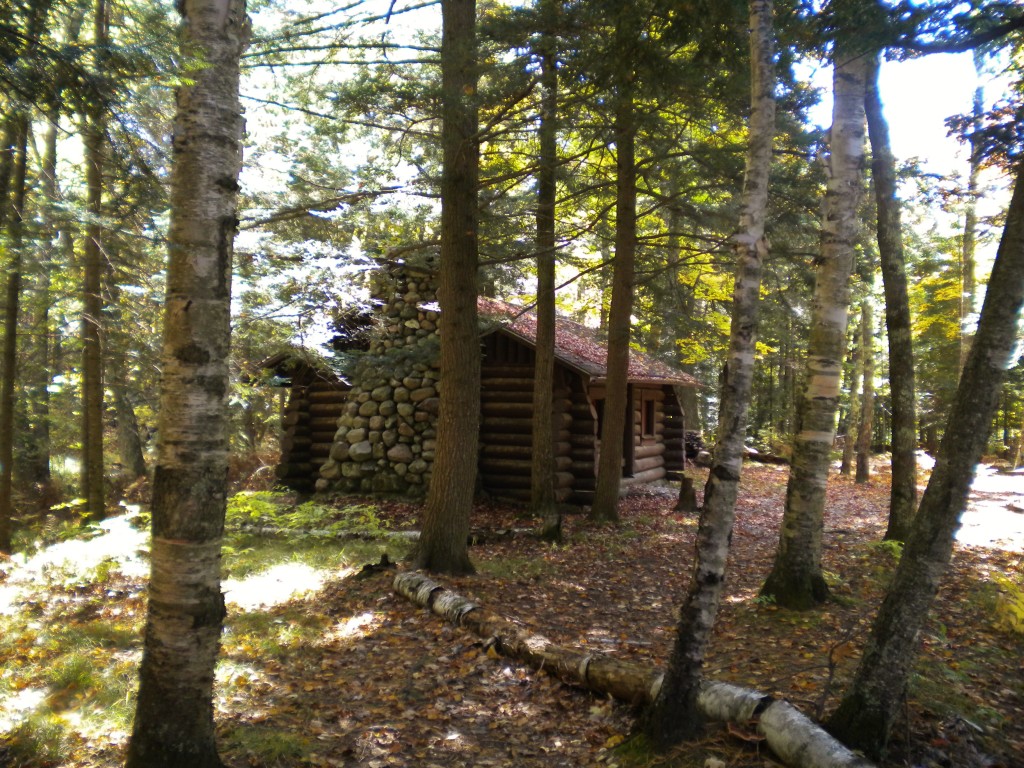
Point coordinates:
[(274, 586), (14, 709), (356, 626)]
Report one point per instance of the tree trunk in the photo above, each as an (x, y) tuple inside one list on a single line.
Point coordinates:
[(129, 442), (542, 473), (442, 547), (790, 734), (676, 714), (903, 494), (853, 415), (796, 580), (39, 389), (866, 714), (617, 409), (93, 139), (174, 714), (867, 399), (15, 233), (968, 247)]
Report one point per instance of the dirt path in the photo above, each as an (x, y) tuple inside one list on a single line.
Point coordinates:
[(995, 511)]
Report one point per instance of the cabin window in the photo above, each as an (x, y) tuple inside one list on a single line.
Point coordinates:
[(648, 411)]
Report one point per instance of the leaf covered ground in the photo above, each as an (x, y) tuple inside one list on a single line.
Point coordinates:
[(350, 674)]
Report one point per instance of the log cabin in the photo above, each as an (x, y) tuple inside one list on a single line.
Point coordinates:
[(653, 447), (383, 419), (316, 397)]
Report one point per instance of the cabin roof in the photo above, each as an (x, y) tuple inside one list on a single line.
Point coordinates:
[(577, 346)]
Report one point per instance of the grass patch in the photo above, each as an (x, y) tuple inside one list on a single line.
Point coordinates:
[(267, 747), (944, 689), (518, 568), (246, 554), (269, 510), (274, 633), (39, 741)]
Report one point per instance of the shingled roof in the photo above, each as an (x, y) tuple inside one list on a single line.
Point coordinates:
[(577, 346)]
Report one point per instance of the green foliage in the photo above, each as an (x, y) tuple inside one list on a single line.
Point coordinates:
[(891, 547), (269, 510)]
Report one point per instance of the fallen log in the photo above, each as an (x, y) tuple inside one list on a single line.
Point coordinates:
[(790, 734)]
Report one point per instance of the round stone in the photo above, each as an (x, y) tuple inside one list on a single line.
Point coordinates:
[(361, 451)]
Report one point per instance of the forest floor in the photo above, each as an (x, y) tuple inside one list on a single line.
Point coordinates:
[(324, 667)]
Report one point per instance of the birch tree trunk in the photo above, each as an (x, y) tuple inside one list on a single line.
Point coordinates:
[(796, 580), (903, 493), (675, 714), (853, 415), (174, 714), (865, 716), (609, 470), (542, 470), (867, 398), (93, 139), (442, 546)]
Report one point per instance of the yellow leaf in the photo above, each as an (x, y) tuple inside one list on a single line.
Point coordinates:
[(614, 741)]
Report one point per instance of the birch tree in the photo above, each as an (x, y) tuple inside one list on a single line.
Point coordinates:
[(675, 714), (796, 579), (174, 713)]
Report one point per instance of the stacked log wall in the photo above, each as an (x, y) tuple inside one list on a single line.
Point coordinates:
[(506, 431), (308, 430), (675, 448), (583, 442), (648, 449)]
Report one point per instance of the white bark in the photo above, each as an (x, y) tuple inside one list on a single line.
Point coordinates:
[(672, 718), (796, 580)]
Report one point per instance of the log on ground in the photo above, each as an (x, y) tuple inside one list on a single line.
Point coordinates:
[(793, 736)]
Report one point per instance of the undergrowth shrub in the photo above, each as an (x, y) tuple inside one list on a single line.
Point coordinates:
[(266, 509)]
